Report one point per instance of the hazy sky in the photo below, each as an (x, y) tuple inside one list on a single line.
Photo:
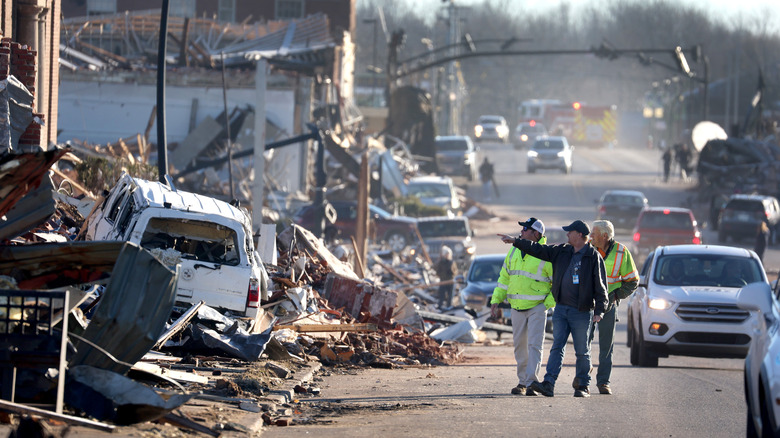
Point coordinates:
[(727, 11)]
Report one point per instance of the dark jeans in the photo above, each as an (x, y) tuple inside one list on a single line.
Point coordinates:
[(568, 320), (445, 295), (606, 344)]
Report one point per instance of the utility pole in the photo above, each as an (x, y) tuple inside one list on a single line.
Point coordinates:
[(450, 117)]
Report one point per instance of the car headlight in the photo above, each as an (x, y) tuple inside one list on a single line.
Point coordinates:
[(659, 304), (478, 130), (561, 154), (523, 137), (470, 250), (502, 130), (533, 154)]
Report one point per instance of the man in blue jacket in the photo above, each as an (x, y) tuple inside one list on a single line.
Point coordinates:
[(579, 286)]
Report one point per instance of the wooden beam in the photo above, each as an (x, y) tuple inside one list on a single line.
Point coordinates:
[(86, 192)]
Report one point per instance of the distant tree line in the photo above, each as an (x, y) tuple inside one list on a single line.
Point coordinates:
[(496, 85)]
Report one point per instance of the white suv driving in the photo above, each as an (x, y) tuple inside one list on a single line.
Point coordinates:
[(686, 303)]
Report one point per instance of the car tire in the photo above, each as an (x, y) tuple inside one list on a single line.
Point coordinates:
[(750, 431), (644, 358), (634, 353), (629, 332), (396, 241)]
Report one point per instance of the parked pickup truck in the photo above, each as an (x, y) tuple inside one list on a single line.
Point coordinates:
[(209, 240)]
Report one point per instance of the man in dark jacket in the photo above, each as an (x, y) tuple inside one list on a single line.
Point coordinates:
[(579, 286)]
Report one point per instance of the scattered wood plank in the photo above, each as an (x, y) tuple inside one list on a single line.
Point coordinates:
[(390, 269), (83, 189)]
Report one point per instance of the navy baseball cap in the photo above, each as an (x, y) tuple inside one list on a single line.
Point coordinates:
[(578, 226)]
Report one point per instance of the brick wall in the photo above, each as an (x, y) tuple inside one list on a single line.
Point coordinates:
[(19, 61)]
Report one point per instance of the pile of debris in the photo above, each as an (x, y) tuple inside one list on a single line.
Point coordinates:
[(106, 312)]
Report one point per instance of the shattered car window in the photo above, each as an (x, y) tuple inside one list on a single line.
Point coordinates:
[(443, 228), (195, 240)]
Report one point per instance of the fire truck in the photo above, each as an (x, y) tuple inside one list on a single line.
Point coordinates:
[(580, 123)]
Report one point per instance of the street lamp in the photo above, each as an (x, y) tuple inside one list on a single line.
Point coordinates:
[(373, 63)]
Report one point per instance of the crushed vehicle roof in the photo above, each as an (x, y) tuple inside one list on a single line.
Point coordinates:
[(157, 194)]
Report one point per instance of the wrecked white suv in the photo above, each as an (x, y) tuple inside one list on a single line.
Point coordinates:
[(210, 241)]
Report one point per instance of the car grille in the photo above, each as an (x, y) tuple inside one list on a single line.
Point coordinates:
[(723, 313), (712, 338)]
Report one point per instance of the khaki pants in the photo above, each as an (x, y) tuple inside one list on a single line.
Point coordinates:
[(528, 337)]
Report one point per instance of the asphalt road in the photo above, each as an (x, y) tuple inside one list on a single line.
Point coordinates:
[(682, 397)]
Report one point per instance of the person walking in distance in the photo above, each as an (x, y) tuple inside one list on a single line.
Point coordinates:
[(667, 158), (579, 287), (525, 283), (622, 281), (446, 270), (486, 173)]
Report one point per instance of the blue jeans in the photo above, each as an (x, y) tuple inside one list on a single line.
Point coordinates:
[(568, 320), (606, 344)]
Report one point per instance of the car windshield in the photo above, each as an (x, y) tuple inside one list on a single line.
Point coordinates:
[(706, 270), (443, 228), (452, 145), (487, 271), (496, 120), (429, 190), (668, 220), (548, 145), (623, 199)]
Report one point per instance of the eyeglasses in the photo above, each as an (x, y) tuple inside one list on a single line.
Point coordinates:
[(526, 228)]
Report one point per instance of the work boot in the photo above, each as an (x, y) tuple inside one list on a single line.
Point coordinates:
[(519, 390), (582, 391), (545, 388), (530, 392), (604, 388), (575, 383)]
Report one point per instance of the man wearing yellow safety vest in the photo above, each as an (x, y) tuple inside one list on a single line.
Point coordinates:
[(525, 283), (622, 281)]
